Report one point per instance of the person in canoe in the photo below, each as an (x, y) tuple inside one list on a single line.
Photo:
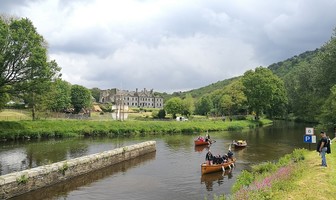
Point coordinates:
[(200, 138), (209, 158), (207, 138)]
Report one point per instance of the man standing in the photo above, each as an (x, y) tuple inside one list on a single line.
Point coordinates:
[(322, 148), (209, 157)]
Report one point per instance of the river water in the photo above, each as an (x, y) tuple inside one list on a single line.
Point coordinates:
[(172, 172)]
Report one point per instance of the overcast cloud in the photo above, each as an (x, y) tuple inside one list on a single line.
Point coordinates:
[(173, 45)]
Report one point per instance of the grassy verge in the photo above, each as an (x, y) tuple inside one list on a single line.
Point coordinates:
[(71, 128), (296, 176)]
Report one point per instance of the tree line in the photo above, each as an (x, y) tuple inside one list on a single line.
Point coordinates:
[(258, 92)]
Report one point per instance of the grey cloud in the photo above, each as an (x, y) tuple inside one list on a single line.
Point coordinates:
[(186, 46)]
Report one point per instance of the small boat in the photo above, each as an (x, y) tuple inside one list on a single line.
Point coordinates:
[(202, 142), (239, 143), (206, 169)]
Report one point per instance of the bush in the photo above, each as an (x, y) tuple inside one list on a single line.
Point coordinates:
[(235, 128), (298, 155), (162, 114), (244, 179)]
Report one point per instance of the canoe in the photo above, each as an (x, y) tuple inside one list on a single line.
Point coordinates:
[(201, 142), (239, 143), (206, 169)]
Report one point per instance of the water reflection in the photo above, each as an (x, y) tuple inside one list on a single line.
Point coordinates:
[(215, 178), (21, 155), (177, 142), (61, 190), (202, 148)]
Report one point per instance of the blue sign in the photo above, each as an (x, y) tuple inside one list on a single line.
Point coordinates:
[(309, 139)]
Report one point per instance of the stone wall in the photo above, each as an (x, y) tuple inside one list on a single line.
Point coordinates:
[(18, 183)]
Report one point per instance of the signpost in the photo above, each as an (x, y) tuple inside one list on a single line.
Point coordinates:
[(309, 137), (309, 131)]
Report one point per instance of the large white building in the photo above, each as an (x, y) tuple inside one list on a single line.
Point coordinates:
[(141, 99)]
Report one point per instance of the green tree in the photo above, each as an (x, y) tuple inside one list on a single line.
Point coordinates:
[(235, 100), (19, 45), (80, 98), (59, 96), (174, 106), (24, 70), (226, 104), (263, 90), (216, 96), (301, 88), (325, 63), (95, 93), (36, 88), (4, 98), (204, 105), (161, 114), (327, 116), (188, 105)]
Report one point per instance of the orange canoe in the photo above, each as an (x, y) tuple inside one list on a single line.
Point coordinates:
[(206, 169), (201, 142)]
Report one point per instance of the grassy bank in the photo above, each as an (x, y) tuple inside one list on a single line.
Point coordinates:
[(296, 176), (73, 128)]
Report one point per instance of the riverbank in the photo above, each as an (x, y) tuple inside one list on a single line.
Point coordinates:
[(296, 176), (12, 130)]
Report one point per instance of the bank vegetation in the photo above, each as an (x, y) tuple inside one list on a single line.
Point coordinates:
[(23, 129), (298, 176)]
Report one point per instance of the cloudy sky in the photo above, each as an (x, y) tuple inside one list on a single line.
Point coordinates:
[(173, 45)]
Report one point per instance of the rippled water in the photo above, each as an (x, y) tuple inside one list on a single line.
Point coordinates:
[(172, 172)]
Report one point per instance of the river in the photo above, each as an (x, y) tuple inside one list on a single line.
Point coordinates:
[(172, 172)]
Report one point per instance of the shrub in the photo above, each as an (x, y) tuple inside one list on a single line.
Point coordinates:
[(235, 128), (243, 180), (298, 155), (161, 114)]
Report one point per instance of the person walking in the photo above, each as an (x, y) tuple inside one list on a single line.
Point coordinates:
[(322, 148)]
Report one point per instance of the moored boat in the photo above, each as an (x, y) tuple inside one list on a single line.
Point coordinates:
[(206, 168), (239, 143)]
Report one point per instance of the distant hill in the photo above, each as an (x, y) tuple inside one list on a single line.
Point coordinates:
[(284, 67), (197, 93), (280, 69)]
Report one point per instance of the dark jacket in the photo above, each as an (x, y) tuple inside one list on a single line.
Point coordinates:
[(209, 156)]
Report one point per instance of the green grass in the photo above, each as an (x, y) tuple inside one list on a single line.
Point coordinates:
[(296, 176), (71, 128), (14, 115)]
